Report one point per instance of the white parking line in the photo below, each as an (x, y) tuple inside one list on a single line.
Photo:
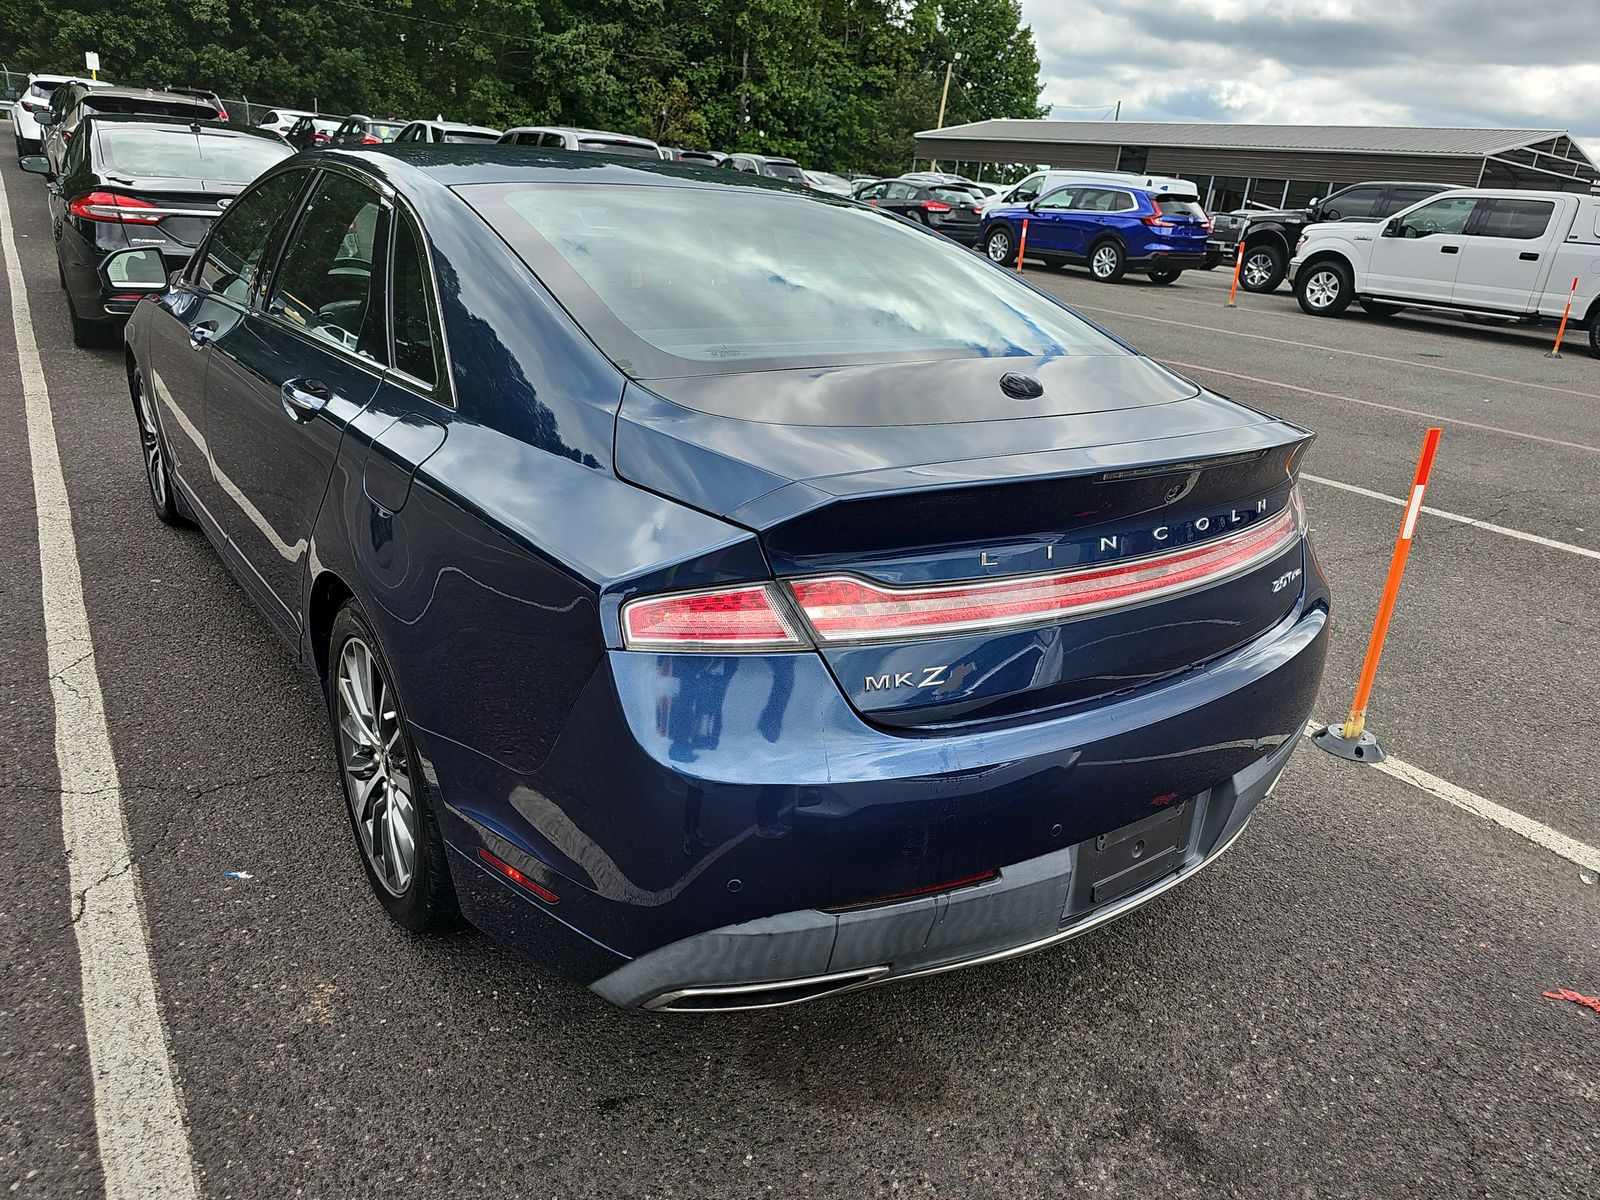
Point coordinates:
[(1436, 418), (1319, 347), (1579, 853), (144, 1151), (1548, 543)]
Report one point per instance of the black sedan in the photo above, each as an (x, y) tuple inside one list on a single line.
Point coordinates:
[(311, 131), (361, 130), (134, 199), (951, 210)]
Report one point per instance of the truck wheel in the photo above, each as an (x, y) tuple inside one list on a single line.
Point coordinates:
[(1263, 269), (1594, 334), (1324, 289)]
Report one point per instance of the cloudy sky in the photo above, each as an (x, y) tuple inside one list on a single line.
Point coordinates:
[(1350, 62)]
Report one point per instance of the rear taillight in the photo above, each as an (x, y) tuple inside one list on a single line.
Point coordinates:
[(369, 140), (319, 136), (1158, 222), (108, 206), (847, 609), (749, 617), (935, 206), (222, 114), (34, 106)]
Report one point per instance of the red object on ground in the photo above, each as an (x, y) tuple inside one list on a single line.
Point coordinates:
[(1592, 1002)]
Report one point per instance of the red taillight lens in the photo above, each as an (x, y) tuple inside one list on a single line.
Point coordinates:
[(846, 609), (108, 206), (319, 136), (369, 140), (517, 877), (935, 206), (740, 618), (1158, 222), (222, 114), (34, 106)]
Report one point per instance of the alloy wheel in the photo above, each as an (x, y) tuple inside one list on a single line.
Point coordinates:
[(373, 755), (999, 246), (1322, 288), (1258, 268), (155, 467), (1104, 263)]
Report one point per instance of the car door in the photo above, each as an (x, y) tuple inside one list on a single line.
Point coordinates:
[(1051, 229), (1416, 254), (1505, 254), (899, 198), (286, 380), (873, 195), (212, 297)]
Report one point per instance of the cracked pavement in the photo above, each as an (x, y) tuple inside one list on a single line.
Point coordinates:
[(1348, 1005)]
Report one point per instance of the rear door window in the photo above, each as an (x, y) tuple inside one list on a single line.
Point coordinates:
[(324, 283), (235, 251), (1354, 205), (1503, 218)]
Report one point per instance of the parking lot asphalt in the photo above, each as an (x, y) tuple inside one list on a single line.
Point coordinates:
[(1347, 1005)]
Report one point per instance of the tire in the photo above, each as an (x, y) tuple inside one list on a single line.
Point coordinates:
[(391, 817), (1594, 334), (1107, 261), (1164, 275), (1379, 309), (1264, 268), (154, 449), (88, 334), (1325, 288), (997, 245)]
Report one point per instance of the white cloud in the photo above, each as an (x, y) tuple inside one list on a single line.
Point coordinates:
[(1336, 62)]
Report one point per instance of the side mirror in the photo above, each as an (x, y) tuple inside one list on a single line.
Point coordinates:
[(46, 117), (1391, 227), (35, 164)]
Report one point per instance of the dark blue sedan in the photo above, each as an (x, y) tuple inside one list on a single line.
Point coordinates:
[(726, 595), (1111, 228)]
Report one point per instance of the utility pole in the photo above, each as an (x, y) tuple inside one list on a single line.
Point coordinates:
[(949, 69), (1117, 116)]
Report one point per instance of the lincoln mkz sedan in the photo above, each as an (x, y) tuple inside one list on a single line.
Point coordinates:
[(725, 595)]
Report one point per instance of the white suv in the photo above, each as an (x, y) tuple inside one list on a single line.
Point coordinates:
[(1040, 182), (1474, 250), (35, 100)]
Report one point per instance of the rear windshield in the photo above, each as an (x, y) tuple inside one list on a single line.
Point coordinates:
[(384, 130), (470, 135), (788, 171), (1169, 206), (327, 126), (97, 102), (631, 149), (175, 152), (951, 195), (693, 281)]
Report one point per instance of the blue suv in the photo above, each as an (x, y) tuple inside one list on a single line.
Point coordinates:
[(1110, 228)]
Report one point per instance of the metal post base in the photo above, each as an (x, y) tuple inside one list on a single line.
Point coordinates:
[(1551, 354), (1362, 749)]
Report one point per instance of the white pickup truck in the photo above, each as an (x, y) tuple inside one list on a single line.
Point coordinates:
[(1476, 250)]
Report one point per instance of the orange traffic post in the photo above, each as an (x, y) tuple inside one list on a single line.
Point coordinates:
[(1352, 740), (1022, 244), (1555, 351), (1238, 263)]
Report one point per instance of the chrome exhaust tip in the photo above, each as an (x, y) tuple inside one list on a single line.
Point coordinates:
[(775, 993)]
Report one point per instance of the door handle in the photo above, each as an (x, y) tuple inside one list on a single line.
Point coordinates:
[(1528, 256), (201, 334), (303, 398), (1449, 249)]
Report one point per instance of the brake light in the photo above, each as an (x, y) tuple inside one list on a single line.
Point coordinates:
[(369, 140), (1158, 222), (34, 106), (846, 609), (109, 206), (517, 877), (319, 136), (222, 114), (749, 617), (935, 206)]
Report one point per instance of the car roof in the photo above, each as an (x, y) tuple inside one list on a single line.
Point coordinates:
[(449, 125), (206, 126), (133, 93), (460, 164)]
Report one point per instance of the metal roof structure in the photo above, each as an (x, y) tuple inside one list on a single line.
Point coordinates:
[(1324, 139), (1331, 154)]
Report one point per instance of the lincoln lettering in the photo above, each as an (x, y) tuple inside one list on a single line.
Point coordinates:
[(1043, 555)]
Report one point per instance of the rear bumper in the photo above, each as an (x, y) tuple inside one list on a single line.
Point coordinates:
[(1031, 906)]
